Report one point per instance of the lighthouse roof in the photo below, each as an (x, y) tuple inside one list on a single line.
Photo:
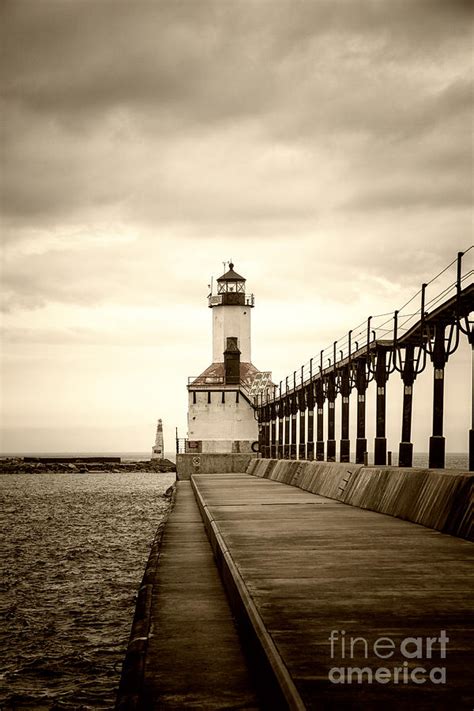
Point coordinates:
[(231, 275), (215, 375)]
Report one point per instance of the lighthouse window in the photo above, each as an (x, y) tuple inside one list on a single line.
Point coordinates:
[(194, 397), (223, 396), (209, 397), (237, 396)]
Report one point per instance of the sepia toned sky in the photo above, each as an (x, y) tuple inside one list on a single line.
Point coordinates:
[(323, 145)]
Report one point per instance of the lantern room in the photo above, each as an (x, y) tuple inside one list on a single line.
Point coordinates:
[(231, 291)]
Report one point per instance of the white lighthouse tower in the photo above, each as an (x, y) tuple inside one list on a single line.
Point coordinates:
[(221, 412), (231, 312)]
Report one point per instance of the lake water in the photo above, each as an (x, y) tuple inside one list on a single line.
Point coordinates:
[(74, 554), (75, 550)]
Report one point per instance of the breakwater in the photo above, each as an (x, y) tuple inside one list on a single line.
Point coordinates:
[(32, 465), (305, 550)]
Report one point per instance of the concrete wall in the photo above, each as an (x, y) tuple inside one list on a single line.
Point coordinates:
[(228, 446), (206, 463), (231, 321), (436, 498), (217, 420)]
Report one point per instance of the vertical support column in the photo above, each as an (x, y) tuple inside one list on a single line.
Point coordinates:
[(468, 329), (280, 450), (437, 441), (471, 431), (263, 437), (273, 442), (266, 431), (331, 443), (286, 448), (261, 430), (361, 385), (294, 413), (380, 444), (405, 449), (345, 394), (302, 409), (261, 434), (320, 420), (310, 441)]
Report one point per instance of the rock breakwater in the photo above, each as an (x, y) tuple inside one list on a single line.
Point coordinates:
[(34, 465)]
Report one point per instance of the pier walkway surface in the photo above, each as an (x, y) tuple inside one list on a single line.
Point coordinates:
[(304, 574), (194, 657)]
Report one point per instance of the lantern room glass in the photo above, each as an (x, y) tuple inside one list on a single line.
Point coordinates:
[(226, 287)]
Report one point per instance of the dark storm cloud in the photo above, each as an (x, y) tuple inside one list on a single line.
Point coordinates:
[(92, 56), (307, 73), (207, 60), (246, 119)]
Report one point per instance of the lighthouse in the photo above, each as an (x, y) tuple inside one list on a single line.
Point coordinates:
[(231, 312), (157, 451), (221, 401)]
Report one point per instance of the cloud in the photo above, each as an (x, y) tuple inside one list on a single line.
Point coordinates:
[(322, 145), (180, 54), (232, 120)]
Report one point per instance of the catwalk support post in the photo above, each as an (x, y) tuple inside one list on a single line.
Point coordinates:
[(287, 405), (380, 443), (437, 440), (471, 431), (280, 412), (302, 411), (331, 396), (310, 401), (345, 444), (320, 420), (361, 386), (273, 442), (405, 450)]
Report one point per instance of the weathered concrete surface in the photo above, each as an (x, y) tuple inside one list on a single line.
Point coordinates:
[(311, 565), (131, 680), (436, 498), (207, 463), (193, 657)]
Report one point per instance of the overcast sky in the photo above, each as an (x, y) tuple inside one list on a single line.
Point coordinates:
[(323, 145)]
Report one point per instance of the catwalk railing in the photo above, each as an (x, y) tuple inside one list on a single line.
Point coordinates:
[(427, 329)]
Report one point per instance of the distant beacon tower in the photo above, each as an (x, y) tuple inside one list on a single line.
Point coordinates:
[(221, 412), (158, 450)]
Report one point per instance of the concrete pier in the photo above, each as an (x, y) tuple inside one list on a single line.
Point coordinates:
[(192, 656), (305, 575), (312, 565)]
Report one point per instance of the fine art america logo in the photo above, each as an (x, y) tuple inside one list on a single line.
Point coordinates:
[(412, 660)]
